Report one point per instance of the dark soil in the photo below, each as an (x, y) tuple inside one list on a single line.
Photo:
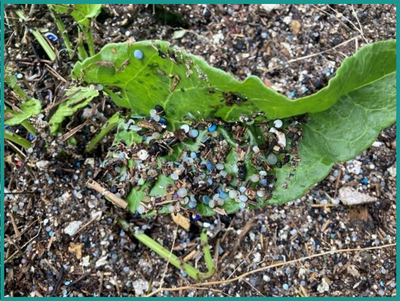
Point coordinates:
[(294, 49)]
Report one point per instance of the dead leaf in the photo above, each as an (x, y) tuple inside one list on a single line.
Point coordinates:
[(180, 220), (220, 211), (295, 26), (75, 248)]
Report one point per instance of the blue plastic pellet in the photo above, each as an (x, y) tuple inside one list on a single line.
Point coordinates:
[(222, 194), (212, 127), (51, 36), (210, 166), (163, 121), (138, 54), (31, 137), (206, 199)]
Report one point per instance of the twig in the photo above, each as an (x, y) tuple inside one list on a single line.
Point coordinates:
[(196, 285), (169, 258), (312, 55), (19, 250), (108, 194)]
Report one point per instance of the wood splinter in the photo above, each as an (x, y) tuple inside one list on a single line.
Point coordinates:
[(107, 194)]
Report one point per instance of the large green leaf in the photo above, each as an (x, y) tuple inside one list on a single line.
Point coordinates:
[(184, 83), (339, 134), (344, 118)]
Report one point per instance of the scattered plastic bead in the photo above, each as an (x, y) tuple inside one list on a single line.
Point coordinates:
[(182, 192), (242, 198), (206, 199), (272, 159), (210, 166), (160, 110), (138, 54), (174, 176), (163, 121), (51, 36), (31, 137), (278, 123), (212, 127), (219, 166), (186, 128), (261, 193), (221, 193), (153, 113), (232, 194), (193, 155), (193, 133), (197, 217), (255, 178)]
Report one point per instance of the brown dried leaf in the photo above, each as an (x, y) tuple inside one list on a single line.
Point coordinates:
[(180, 220), (295, 26), (75, 248)]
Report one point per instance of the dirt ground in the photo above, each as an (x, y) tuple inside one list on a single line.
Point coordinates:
[(313, 246)]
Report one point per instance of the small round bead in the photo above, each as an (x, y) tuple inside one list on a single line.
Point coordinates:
[(212, 127), (138, 54)]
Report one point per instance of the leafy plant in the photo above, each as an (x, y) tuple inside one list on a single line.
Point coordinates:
[(20, 116), (343, 119), (83, 14)]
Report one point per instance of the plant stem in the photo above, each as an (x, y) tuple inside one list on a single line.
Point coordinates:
[(172, 258), (89, 37), (63, 31), (111, 124)]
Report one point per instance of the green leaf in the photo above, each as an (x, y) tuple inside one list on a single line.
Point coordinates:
[(17, 139), (28, 109), (184, 83), (338, 135), (79, 97), (179, 34), (82, 13), (134, 198), (161, 185)]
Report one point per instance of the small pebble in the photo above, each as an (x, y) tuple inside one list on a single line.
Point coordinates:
[(210, 166), (261, 193), (206, 199), (223, 173)]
